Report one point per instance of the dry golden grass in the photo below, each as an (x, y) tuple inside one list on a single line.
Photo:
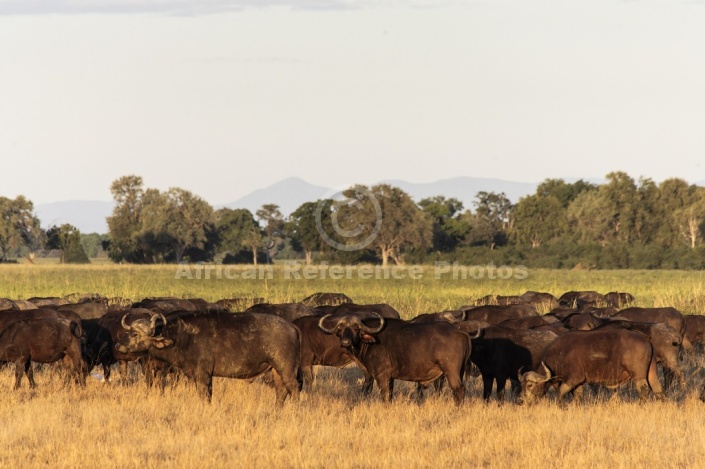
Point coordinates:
[(58, 425)]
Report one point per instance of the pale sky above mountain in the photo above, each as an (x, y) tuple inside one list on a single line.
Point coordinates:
[(224, 97)]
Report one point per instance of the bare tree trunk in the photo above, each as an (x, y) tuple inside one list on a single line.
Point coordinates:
[(692, 231), (385, 256), (308, 256), (254, 255)]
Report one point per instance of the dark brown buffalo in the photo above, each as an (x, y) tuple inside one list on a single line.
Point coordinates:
[(23, 305), (43, 340), (702, 394), (48, 301), (541, 300), (288, 311), (382, 309), (324, 298), (104, 332), (581, 299), (225, 345), (472, 326), (694, 331), (666, 343), (495, 314), (556, 327), (8, 317), (86, 310), (86, 298), (583, 321), (610, 357), (395, 349), (561, 312), (498, 300), (319, 348), (619, 299), (166, 305), (238, 304), (667, 315), (529, 322), (453, 317), (500, 352), (601, 312)]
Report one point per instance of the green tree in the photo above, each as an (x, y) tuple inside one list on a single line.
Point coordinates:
[(303, 230), (19, 226), (273, 220), (237, 231), (565, 192), (491, 220), (176, 219), (449, 227), (67, 239), (388, 217), (537, 219), (124, 224)]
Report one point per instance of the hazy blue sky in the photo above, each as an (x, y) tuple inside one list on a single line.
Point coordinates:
[(223, 97)]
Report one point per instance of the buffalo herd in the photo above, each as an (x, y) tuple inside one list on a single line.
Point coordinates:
[(535, 341)]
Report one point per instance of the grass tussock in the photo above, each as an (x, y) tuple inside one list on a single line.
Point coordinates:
[(63, 425)]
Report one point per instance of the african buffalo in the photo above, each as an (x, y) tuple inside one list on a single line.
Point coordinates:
[(85, 310), (609, 357), (319, 348), (541, 300), (495, 314), (288, 311), (48, 301), (395, 349), (8, 317), (619, 299), (500, 352), (325, 298), (382, 309), (666, 343), (453, 317), (498, 300), (694, 331), (667, 315), (581, 299), (529, 322), (225, 345), (43, 340)]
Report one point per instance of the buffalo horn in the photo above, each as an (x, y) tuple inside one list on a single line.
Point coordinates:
[(372, 330), (323, 328), (124, 324), (547, 372)]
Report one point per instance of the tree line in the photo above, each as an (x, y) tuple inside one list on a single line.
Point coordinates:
[(623, 223)]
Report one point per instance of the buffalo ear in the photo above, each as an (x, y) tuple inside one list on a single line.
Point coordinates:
[(163, 343), (368, 339)]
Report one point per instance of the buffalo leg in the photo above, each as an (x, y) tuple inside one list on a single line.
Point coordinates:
[(564, 389), (653, 381), (21, 367), (487, 382), (367, 384), (501, 384), (386, 388), (455, 381)]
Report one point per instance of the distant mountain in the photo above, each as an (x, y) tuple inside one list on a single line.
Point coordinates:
[(288, 193), (86, 215)]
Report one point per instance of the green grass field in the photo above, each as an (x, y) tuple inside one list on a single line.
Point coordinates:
[(59, 425)]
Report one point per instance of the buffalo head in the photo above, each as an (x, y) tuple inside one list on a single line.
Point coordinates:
[(533, 385), (351, 328), (140, 335)]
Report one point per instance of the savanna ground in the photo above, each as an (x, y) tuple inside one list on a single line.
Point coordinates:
[(58, 425)]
